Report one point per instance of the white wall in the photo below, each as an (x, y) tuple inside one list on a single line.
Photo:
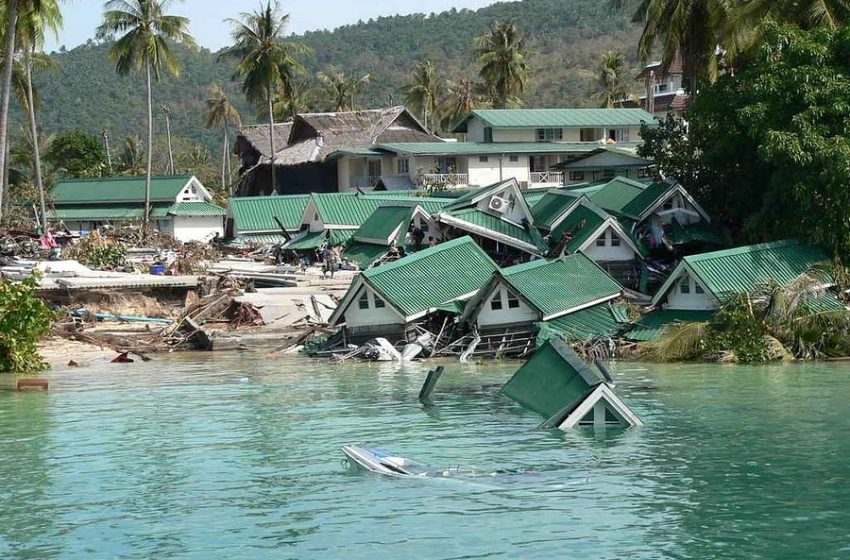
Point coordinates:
[(343, 173), (505, 316), (191, 193), (679, 203), (514, 135), (373, 316), (609, 253), (518, 169), (514, 213), (692, 300), (483, 173), (197, 228)]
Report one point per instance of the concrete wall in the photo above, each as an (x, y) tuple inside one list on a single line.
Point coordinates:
[(483, 173), (693, 299), (488, 317), (198, 228), (610, 252), (514, 135), (373, 316)]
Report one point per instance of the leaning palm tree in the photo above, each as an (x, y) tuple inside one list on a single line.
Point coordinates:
[(33, 22), (145, 32), (462, 97), (612, 86), (221, 113), (266, 60), (423, 92), (503, 53), (340, 90)]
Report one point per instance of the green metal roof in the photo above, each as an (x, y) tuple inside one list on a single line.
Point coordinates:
[(552, 206), (489, 148), (469, 195), (107, 212), (557, 286), (384, 221), (256, 240), (257, 213), (651, 326), (561, 118), (196, 209), (432, 277), (581, 223), (496, 224), (823, 303), (532, 197), (552, 381), (312, 240), (599, 321), (364, 254), (646, 199), (700, 232), (617, 194), (343, 209), (118, 189)]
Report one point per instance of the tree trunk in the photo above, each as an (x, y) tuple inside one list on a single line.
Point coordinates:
[(6, 94), (224, 176), (146, 222), (168, 135), (271, 141), (39, 181)]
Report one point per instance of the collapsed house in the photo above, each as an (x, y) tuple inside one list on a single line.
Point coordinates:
[(561, 387), (180, 205), (389, 300)]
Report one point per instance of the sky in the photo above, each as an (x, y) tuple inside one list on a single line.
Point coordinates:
[(210, 31)]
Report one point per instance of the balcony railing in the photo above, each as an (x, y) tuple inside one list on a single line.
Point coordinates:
[(547, 178), (365, 182), (443, 179)]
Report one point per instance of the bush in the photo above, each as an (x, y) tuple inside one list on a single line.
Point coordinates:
[(97, 252), (24, 320)]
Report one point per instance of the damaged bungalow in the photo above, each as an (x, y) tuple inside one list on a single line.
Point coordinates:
[(389, 300), (557, 384), (325, 152), (254, 221)]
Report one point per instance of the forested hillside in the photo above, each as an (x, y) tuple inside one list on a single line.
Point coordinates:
[(567, 38)]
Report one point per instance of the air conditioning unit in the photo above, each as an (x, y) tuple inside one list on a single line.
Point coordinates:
[(498, 204)]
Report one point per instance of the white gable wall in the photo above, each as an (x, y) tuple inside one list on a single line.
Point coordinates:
[(372, 315), (609, 252), (197, 228), (689, 293), (514, 212), (507, 315)]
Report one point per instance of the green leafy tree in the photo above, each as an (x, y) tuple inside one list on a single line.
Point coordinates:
[(423, 93), (24, 320), (833, 14), (612, 79), (503, 54), (144, 34), (266, 61), (462, 96), (222, 114), (341, 91), (76, 154)]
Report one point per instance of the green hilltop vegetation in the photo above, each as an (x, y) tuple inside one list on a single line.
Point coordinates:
[(567, 38)]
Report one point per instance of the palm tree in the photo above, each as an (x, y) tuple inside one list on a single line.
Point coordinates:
[(33, 21), (266, 60), (503, 53), (131, 160), (833, 14), (693, 28), (423, 92), (144, 47), (612, 86), (300, 97), (463, 96), (220, 113), (340, 90)]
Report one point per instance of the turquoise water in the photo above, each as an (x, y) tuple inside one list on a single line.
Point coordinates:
[(206, 457)]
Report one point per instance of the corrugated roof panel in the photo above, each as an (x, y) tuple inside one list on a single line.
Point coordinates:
[(196, 209), (649, 196), (364, 254), (580, 224), (566, 118), (594, 322), (353, 210), (384, 221), (495, 224), (551, 206), (432, 277), (256, 213), (106, 212), (617, 194), (563, 284), (118, 189)]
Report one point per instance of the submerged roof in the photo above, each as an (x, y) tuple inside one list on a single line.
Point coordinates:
[(563, 118), (108, 190), (434, 276), (651, 325), (604, 320), (553, 381), (562, 285), (743, 269), (257, 213)]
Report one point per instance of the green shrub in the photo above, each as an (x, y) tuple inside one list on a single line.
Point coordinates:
[(24, 320)]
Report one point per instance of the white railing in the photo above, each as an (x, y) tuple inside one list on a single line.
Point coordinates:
[(547, 178), (365, 182), (446, 179)]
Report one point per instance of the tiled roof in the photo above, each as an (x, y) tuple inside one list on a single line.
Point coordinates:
[(196, 209), (565, 118), (432, 277), (600, 321), (492, 148), (118, 189), (257, 213), (743, 269), (651, 326), (552, 206), (558, 286)]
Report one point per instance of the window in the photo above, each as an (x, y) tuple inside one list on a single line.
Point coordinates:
[(662, 88), (600, 241), (496, 303), (588, 135), (615, 240), (513, 301), (483, 159), (698, 288), (446, 165), (488, 133), (576, 175), (608, 174), (619, 134), (549, 134), (685, 285), (644, 173), (363, 302), (668, 204), (402, 166), (379, 303), (513, 158), (374, 168)]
